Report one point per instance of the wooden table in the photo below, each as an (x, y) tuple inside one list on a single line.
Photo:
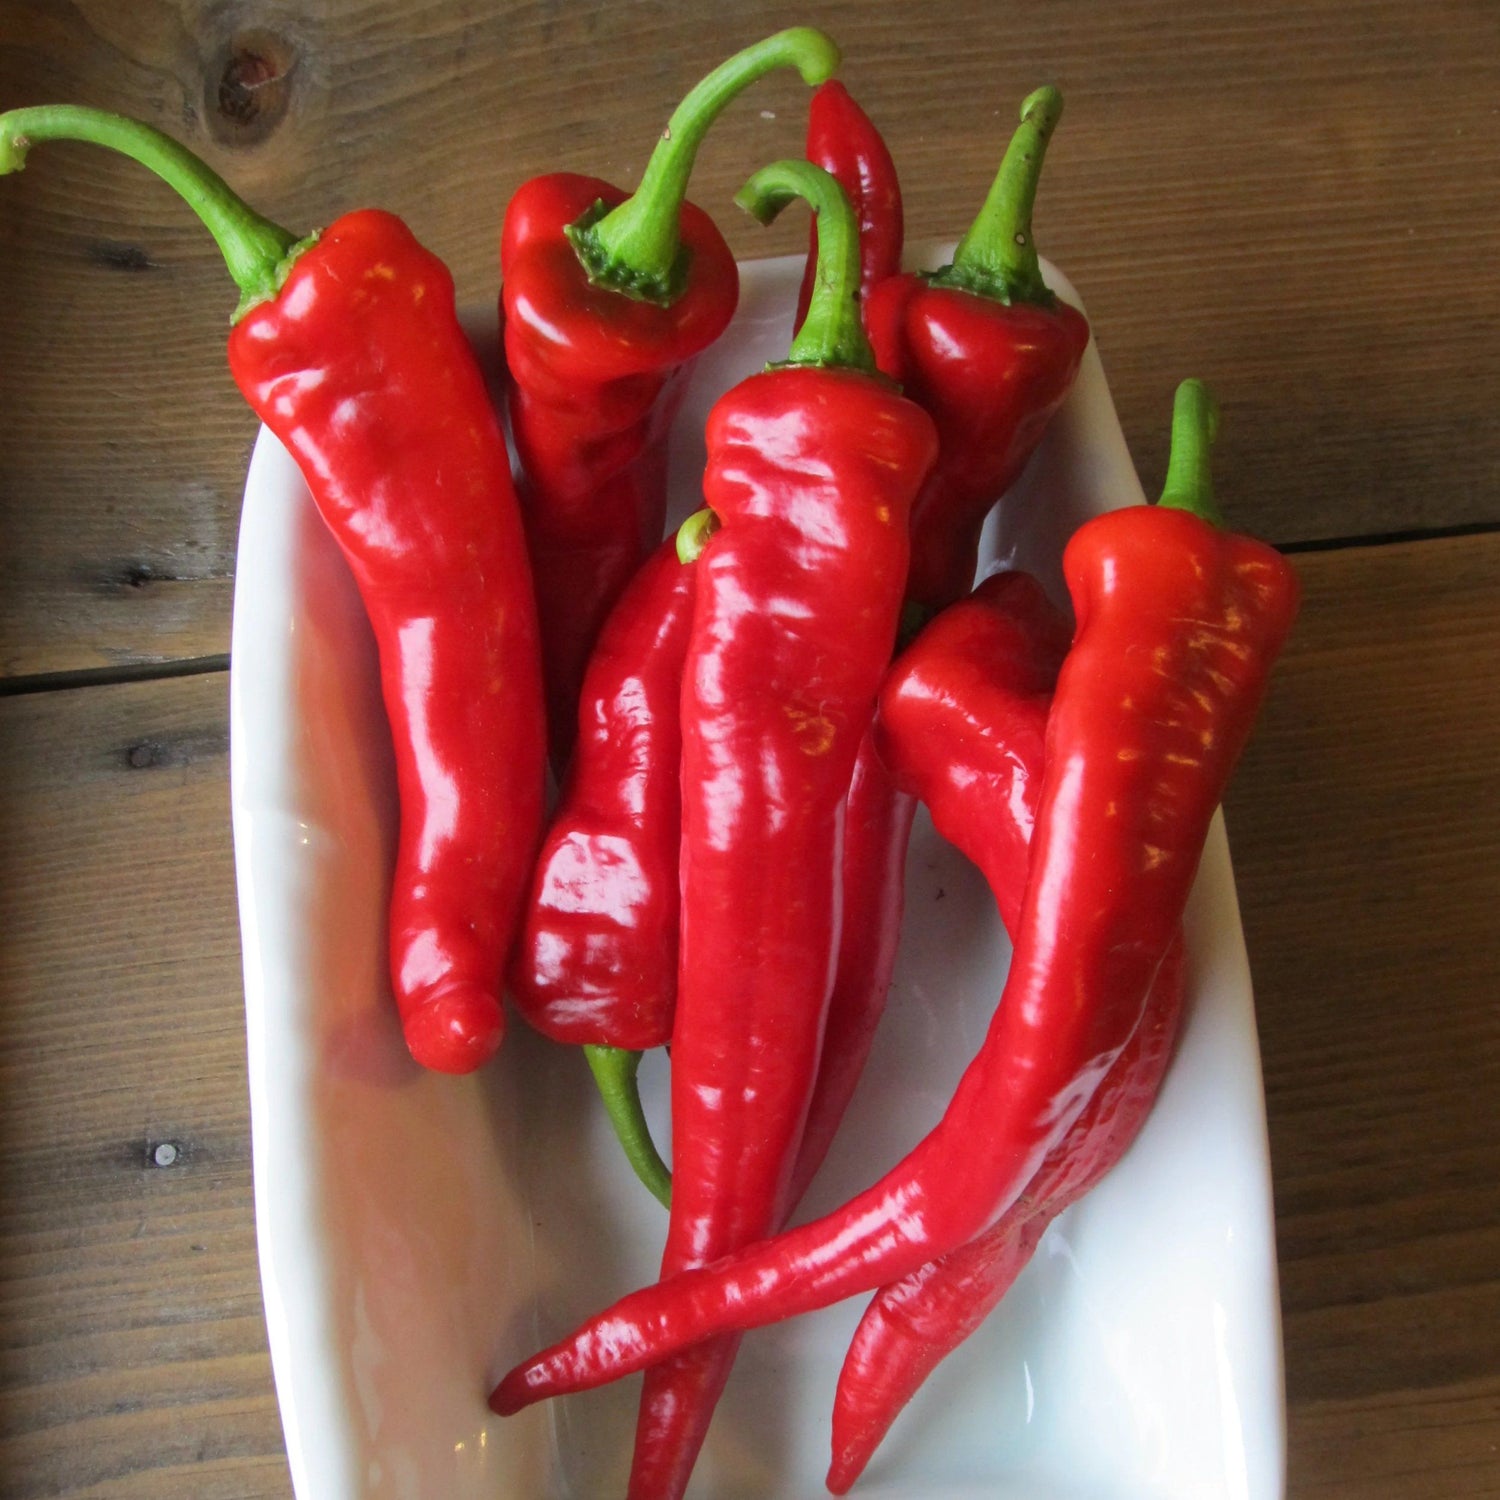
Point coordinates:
[(1297, 201)]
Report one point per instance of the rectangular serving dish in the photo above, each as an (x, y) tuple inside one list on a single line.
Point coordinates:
[(418, 1233)]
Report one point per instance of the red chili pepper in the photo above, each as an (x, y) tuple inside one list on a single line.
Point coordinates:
[(843, 141), (962, 724), (877, 829), (348, 347), (596, 960), (606, 302), (1178, 625), (811, 469), (988, 350), (913, 1325), (993, 382)]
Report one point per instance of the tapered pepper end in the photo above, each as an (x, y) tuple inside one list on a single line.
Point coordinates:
[(841, 1475), (636, 248), (615, 1071), (1190, 481), (456, 1029), (832, 334), (997, 258), (511, 1396), (258, 253)]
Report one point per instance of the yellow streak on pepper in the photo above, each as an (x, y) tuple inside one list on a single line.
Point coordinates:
[(813, 728)]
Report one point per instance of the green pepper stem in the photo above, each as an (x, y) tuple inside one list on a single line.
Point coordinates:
[(997, 257), (257, 252), (1190, 481), (832, 334), (693, 535), (636, 247), (615, 1070)]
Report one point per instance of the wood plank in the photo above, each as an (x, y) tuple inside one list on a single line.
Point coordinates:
[(1428, 1447), (1269, 195), (132, 1345), (1365, 823)]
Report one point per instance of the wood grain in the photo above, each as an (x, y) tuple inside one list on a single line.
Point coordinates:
[(1294, 199), (132, 1347), (1364, 821)]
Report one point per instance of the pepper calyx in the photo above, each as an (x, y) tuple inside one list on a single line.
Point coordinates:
[(997, 258), (981, 283), (635, 247), (604, 269), (253, 296)]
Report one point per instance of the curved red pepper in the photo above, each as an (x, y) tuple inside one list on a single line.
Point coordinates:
[(962, 724), (1178, 625), (842, 139), (987, 349), (606, 302), (811, 470), (348, 347), (596, 959)]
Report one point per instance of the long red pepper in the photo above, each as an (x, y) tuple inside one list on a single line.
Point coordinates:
[(606, 302), (811, 469), (1178, 626), (348, 347), (962, 724), (842, 139), (596, 959), (975, 361), (988, 350)]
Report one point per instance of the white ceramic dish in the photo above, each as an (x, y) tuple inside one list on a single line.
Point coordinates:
[(417, 1234)]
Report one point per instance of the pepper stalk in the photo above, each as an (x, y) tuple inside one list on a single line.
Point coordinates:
[(1190, 482), (997, 258), (832, 335), (258, 253), (635, 248)]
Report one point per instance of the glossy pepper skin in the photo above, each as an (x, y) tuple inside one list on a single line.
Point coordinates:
[(912, 1325), (811, 470), (596, 379), (606, 301), (992, 373), (962, 725), (1178, 624), (596, 959), (990, 352), (843, 140), (347, 346), (360, 367)]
